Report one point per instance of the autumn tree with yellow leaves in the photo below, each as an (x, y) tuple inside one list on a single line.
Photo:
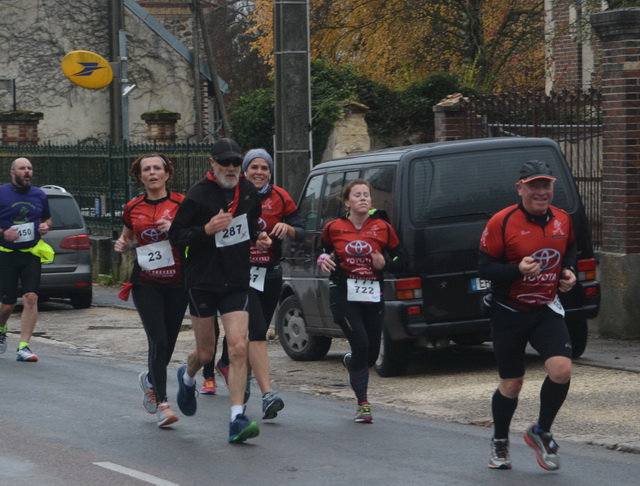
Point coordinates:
[(492, 45)]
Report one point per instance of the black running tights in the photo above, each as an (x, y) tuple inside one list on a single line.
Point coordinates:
[(161, 311)]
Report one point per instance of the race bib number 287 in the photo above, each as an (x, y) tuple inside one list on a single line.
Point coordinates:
[(236, 232)]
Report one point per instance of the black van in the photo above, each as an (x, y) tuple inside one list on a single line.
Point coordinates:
[(439, 198)]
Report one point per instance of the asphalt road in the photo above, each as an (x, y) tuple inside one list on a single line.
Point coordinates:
[(76, 419)]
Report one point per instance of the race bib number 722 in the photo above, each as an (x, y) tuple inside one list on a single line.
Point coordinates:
[(363, 290)]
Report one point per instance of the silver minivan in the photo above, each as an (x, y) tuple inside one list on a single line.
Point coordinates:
[(69, 275)]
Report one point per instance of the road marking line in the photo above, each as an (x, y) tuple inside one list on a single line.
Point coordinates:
[(135, 474)]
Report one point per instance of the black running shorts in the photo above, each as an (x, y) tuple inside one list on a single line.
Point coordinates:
[(205, 303), (544, 329), (19, 266)]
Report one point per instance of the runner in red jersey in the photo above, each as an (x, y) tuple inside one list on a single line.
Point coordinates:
[(513, 234), (280, 218), (156, 280), (528, 251), (353, 249)]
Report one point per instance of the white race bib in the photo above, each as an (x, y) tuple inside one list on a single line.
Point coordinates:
[(556, 306), (256, 278), (26, 232), (155, 255), (236, 232), (363, 290)]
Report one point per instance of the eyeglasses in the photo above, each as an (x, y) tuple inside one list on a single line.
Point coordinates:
[(228, 162)]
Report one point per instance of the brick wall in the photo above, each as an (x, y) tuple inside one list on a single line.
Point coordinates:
[(572, 46), (452, 120), (564, 60), (19, 129), (619, 32), (177, 17)]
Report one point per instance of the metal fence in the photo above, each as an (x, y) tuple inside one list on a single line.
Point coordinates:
[(571, 118), (98, 175)]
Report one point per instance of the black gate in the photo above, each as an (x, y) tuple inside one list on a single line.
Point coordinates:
[(571, 118)]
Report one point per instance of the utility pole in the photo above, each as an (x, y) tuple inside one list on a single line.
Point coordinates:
[(213, 68), (293, 157), (196, 76), (116, 24)]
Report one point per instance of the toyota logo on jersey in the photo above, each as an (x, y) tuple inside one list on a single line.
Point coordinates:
[(262, 224), (152, 235), (358, 248), (548, 258)]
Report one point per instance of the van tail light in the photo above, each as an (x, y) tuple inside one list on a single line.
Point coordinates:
[(409, 288), (79, 242), (586, 269)]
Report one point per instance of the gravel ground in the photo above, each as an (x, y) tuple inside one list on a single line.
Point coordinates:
[(453, 385)]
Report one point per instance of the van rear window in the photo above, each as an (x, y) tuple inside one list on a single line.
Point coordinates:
[(64, 213), (477, 184)]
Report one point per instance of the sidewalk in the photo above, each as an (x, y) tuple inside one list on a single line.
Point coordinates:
[(452, 385), (601, 352)]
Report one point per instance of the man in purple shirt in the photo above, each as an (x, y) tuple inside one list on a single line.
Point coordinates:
[(24, 218)]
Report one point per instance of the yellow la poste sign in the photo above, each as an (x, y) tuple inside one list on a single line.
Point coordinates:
[(87, 69)]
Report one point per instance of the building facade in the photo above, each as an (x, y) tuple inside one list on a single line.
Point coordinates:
[(37, 34)]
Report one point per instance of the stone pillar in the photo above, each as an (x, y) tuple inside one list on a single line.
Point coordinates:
[(350, 135), (161, 126), (452, 120), (19, 127), (619, 33)]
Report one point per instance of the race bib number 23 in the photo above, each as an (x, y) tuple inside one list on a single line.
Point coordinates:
[(154, 256)]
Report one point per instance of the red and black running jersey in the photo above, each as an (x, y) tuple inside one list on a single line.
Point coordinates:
[(141, 215), (276, 205), (353, 247), (510, 235)]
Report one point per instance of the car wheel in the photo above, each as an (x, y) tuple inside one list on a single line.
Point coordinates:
[(82, 301), (292, 332), (578, 331), (394, 356)]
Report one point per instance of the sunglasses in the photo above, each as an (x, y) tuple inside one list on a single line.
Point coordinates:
[(228, 162)]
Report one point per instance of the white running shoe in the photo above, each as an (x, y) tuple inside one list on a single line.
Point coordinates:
[(149, 396), (499, 455), (166, 415), (25, 354)]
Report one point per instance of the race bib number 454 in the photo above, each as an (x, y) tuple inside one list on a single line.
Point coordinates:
[(236, 232)]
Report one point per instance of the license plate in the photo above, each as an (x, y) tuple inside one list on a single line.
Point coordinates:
[(478, 284)]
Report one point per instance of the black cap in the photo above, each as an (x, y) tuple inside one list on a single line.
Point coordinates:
[(535, 169), (225, 149)]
